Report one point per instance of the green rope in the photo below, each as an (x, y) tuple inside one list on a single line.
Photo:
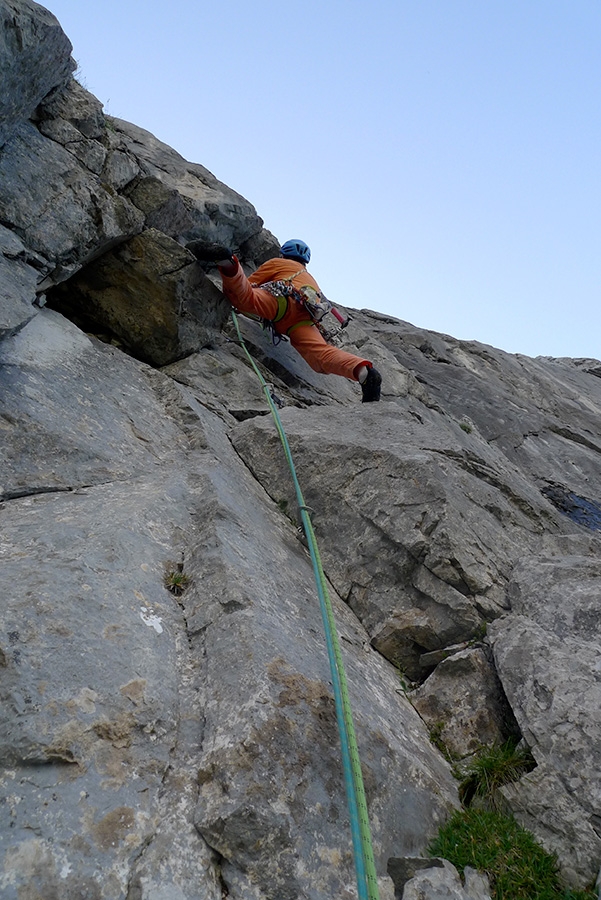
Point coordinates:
[(367, 884)]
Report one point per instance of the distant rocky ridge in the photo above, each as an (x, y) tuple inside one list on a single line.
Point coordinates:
[(179, 746)]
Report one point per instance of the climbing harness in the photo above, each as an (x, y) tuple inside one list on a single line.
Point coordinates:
[(313, 301), (367, 884)]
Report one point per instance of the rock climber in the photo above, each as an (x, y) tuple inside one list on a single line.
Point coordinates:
[(247, 295)]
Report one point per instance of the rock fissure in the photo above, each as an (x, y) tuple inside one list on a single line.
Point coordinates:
[(477, 467), (7, 496), (134, 887), (576, 438)]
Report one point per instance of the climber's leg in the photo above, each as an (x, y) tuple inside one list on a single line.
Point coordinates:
[(323, 357)]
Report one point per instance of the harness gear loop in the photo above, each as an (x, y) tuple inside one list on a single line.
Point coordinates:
[(314, 301), (365, 870)]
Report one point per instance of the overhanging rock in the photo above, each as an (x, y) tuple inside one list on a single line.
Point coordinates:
[(149, 294)]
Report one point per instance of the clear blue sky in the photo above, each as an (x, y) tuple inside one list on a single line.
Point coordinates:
[(441, 157)]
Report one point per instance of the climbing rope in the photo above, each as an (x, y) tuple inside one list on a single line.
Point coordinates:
[(367, 884)]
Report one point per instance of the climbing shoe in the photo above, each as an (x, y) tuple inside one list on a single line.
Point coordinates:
[(207, 252), (371, 386)]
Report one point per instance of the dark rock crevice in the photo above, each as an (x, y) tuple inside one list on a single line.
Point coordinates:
[(574, 436), (19, 494), (579, 509)]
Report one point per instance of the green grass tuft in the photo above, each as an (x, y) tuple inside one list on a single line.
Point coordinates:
[(175, 580), (494, 843), (491, 768)]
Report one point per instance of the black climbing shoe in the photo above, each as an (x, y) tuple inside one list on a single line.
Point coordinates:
[(207, 252), (371, 386)]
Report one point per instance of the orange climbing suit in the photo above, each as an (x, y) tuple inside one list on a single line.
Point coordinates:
[(248, 297)]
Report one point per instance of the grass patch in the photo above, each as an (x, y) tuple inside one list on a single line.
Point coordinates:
[(494, 843), (175, 579), (491, 768), (483, 835)]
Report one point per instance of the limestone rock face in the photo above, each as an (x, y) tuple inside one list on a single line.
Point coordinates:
[(182, 198), (540, 413), (35, 57), (444, 883), (65, 216), (415, 540), (435, 879), (18, 283), (167, 726), (548, 654), (75, 184), (207, 754), (463, 703), (150, 294)]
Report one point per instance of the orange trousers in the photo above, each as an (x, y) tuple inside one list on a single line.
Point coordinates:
[(306, 339)]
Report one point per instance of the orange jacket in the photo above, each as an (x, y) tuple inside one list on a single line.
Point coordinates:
[(276, 269)]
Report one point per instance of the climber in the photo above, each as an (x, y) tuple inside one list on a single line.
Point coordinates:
[(247, 295)]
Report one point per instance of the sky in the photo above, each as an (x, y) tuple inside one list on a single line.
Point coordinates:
[(442, 158)]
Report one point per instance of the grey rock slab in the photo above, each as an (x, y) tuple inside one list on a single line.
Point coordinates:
[(76, 106), (586, 364), (13, 248), (223, 382), (84, 559), (434, 657), (89, 152), (272, 800), (98, 738), (542, 413), (92, 719), (163, 207), (403, 869), (73, 117), (396, 487), (35, 57), (18, 282), (57, 207), (216, 212), (120, 169), (444, 883), (553, 687), (113, 738), (477, 885), (401, 638), (543, 805), (561, 594), (90, 687), (66, 411), (462, 701), (271, 771)]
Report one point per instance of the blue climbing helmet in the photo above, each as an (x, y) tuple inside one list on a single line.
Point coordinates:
[(297, 250)]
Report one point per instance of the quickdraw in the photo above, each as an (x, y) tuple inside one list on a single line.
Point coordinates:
[(317, 305)]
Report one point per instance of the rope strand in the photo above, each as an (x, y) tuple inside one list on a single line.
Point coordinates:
[(365, 870)]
